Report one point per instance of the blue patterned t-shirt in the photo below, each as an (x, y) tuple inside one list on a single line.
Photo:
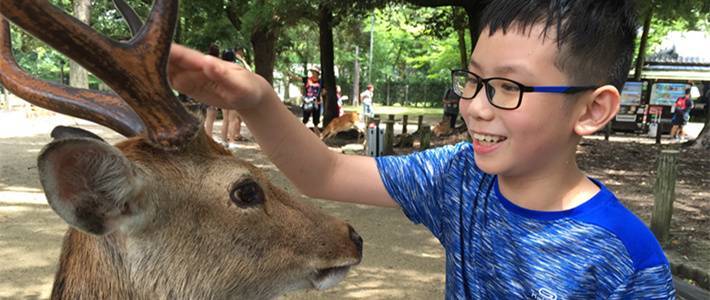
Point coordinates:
[(498, 250)]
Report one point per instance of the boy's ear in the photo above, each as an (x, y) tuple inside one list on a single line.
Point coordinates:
[(597, 110)]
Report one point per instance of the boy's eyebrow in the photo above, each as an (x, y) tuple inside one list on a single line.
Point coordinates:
[(504, 69)]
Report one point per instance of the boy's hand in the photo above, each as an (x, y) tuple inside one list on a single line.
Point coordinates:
[(214, 81)]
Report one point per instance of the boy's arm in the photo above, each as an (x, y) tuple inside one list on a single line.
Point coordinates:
[(308, 163), (297, 152)]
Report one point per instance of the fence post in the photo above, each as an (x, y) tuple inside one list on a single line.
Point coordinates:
[(664, 193), (425, 141), (405, 119), (389, 136), (420, 122)]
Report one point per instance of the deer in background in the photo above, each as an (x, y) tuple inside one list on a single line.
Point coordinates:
[(166, 213), (347, 121)]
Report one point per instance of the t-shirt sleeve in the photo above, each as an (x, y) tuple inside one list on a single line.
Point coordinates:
[(415, 182), (650, 283)]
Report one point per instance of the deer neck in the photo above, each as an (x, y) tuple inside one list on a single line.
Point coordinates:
[(92, 267)]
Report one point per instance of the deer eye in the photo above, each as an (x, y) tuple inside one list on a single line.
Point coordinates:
[(246, 193)]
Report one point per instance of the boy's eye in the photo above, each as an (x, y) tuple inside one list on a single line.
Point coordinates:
[(473, 79), (510, 87)]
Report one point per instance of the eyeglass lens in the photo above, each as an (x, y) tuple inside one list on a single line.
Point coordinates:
[(500, 92)]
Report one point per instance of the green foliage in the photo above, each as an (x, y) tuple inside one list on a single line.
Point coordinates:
[(414, 47), (676, 15)]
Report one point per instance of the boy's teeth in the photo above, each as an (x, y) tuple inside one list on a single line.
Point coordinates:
[(488, 138)]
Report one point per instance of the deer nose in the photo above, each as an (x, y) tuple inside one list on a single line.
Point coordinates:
[(356, 239)]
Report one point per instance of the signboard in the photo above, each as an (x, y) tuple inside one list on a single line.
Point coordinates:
[(667, 93), (631, 93)]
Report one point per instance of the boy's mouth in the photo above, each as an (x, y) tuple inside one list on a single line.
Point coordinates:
[(485, 139)]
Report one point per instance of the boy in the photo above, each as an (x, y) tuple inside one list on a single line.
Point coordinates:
[(517, 218)]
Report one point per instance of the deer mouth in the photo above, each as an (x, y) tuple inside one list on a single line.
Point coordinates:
[(328, 277)]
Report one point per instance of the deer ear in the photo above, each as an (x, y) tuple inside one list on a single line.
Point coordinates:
[(89, 183), (64, 132)]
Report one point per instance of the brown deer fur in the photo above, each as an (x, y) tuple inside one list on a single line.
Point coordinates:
[(346, 121), (190, 242)]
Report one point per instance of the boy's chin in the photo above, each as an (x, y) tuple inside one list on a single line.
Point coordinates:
[(488, 166)]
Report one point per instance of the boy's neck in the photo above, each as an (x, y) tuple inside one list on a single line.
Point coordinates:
[(549, 191)]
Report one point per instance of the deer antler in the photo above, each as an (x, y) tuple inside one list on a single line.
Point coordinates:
[(136, 70), (129, 15), (102, 108)]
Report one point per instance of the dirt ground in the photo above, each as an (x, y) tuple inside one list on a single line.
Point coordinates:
[(401, 260)]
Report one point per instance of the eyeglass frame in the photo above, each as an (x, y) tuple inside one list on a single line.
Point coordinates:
[(557, 89)]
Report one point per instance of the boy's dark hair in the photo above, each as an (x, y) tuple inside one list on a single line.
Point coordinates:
[(213, 50), (228, 55), (595, 37)]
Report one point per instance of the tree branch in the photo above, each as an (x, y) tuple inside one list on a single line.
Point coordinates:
[(438, 3)]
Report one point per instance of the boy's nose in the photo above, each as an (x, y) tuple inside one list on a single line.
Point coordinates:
[(479, 107)]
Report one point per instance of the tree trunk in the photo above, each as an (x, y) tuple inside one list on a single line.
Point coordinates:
[(641, 57), (462, 47), (461, 33), (474, 10), (264, 41), (327, 61), (78, 76), (703, 140), (287, 87), (356, 77)]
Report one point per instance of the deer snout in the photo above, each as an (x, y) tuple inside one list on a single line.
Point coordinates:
[(355, 237)]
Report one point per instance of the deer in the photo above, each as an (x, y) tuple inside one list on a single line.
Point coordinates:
[(166, 213), (346, 121)]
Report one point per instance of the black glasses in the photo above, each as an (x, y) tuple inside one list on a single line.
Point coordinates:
[(502, 93)]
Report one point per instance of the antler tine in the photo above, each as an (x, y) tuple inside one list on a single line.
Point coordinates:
[(129, 15), (136, 71), (102, 108)]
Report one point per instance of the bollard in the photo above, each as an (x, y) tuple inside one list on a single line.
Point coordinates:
[(389, 136), (405, 118), (425, 141), (664, 194), (658, 132), (607, 131), (420, 122)]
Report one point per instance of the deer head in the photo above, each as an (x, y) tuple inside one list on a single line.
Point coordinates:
[(167, 213)]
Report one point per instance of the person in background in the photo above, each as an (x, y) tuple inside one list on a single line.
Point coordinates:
[(211, 113), (311, 99), (339, 95), (231, 122), (451, 107), (682, 104), (366, 100)]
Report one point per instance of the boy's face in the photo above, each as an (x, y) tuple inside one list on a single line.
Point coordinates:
[(538, 136)]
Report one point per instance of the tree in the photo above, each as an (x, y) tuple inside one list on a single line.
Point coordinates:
[(263, 21), (689, 12), (331, 13), (78, 76), (473, 10)]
